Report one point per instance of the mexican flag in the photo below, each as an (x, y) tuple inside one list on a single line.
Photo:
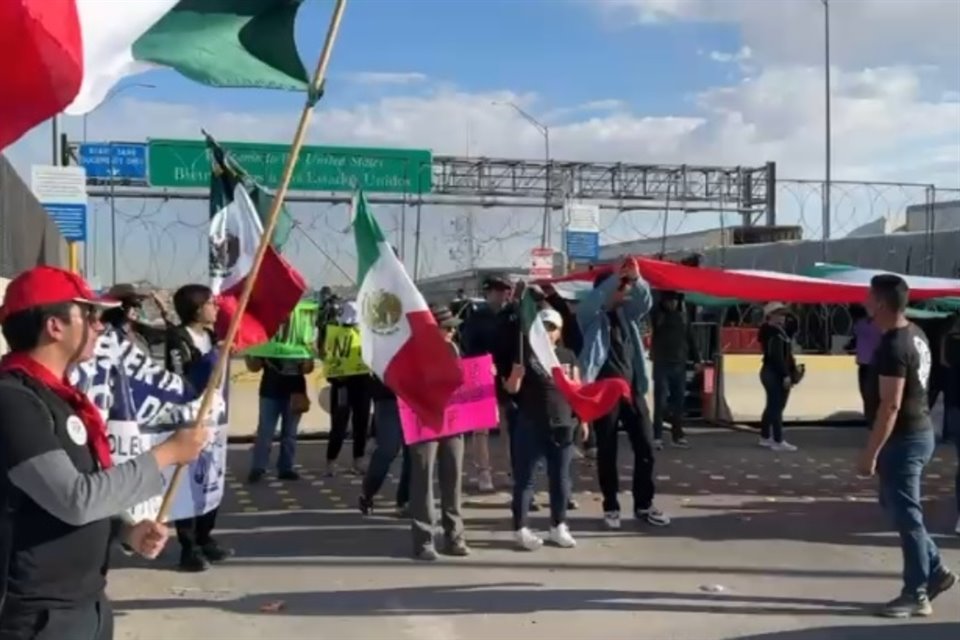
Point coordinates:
[(589, 401), (235, 233), (399, 339), (68, 54)]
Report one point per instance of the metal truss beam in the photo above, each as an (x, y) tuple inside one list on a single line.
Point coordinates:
[(491, 182)]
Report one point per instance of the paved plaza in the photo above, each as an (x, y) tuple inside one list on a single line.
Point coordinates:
[(764, 546)]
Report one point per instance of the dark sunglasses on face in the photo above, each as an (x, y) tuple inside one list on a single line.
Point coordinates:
[(549, 326)]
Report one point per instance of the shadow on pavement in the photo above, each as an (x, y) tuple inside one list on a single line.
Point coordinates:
[(506, 599), (913, 631)]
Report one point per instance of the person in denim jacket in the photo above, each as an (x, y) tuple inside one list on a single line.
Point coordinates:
[(609, 318)]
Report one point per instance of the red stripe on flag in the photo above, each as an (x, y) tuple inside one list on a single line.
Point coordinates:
[(751, 287), (425, 371), (593, 400), (40, 41), (276, 292)]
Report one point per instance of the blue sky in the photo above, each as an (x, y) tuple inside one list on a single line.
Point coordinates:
[(738, 82)]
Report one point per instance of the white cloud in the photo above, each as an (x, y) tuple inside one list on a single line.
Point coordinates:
[(895, 118), (863, 32), (742, 55), (386, 77), (886, 127)]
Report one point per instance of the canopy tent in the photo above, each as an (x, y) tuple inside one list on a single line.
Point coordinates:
[(762, 286)]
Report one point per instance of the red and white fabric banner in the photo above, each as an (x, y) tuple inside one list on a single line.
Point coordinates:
[(761, 286)]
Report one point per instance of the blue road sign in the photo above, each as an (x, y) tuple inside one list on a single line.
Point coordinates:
[(71, 219), (114, 160), (583, 245)]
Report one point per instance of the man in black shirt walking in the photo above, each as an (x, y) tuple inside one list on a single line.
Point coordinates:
[(902, 442)]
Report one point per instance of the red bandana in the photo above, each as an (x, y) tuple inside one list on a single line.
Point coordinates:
[(78, 401)]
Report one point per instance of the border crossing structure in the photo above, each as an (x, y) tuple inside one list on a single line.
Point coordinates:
[(514, 183), (162, 169)]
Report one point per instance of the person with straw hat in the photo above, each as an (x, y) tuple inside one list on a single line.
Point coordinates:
[(775, 375)]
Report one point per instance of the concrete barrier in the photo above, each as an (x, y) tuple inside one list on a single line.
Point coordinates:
[(244, 402), (828, 392)]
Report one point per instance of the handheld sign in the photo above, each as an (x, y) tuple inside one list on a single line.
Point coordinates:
[(473, 407)]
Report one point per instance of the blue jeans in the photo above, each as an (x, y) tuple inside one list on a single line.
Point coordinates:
[(954, 434), (771, 422), (669, 393), (271, 411), (531, 442), (900, 467), (386, 415)]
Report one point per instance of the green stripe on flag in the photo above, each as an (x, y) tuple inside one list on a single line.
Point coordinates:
[(368, 236), (228, 43), (528, 311)]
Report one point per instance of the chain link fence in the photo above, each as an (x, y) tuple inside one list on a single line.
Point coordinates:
[(164, 241)]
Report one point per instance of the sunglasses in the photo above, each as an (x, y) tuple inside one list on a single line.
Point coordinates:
[(549, 326)]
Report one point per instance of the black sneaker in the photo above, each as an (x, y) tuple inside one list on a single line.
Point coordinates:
[(944, 580), (193, 561), (215, 553), (256, 475), (289, 474), (907, 606), (365, 505)]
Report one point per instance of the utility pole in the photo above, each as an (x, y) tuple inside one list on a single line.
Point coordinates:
[(828, 133)]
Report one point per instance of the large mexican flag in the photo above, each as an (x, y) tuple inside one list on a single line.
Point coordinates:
[(66, 55), (399, 339)]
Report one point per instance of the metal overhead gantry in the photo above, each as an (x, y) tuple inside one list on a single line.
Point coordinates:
[(500, 182)]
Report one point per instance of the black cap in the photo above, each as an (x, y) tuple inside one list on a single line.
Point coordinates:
[(497, 281)]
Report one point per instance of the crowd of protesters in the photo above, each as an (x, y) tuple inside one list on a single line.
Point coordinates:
[(63, 499)]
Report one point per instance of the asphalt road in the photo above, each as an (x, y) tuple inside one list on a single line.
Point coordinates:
[(763, 546)]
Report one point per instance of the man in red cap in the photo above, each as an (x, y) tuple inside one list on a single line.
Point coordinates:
[(61, 498)]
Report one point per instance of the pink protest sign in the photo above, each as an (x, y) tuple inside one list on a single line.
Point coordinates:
[(473, 407)]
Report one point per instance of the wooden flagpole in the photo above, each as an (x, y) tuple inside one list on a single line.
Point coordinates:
[(316, 88)]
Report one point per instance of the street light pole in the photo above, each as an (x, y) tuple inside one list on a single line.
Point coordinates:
[(828, 129), (545, 132)]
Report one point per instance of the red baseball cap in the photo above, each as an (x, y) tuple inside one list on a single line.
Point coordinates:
[(43, 286)]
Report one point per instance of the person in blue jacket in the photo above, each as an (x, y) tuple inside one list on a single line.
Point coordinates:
[(610, 317)]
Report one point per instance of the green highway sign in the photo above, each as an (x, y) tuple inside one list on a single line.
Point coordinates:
[(185, 163)]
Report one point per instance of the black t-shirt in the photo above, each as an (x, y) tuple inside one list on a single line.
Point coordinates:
[(540, 400), (52, 564), (903, 353), (281, 378), (619, 362)]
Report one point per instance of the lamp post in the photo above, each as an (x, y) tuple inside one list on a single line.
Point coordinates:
[(545, 132), (825, 223)]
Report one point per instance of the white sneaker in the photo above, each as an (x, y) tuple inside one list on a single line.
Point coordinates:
[(560, 536), (766, 443), (783, 446), (485, 481), (611, 520), (527, 540), (958, 527)]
